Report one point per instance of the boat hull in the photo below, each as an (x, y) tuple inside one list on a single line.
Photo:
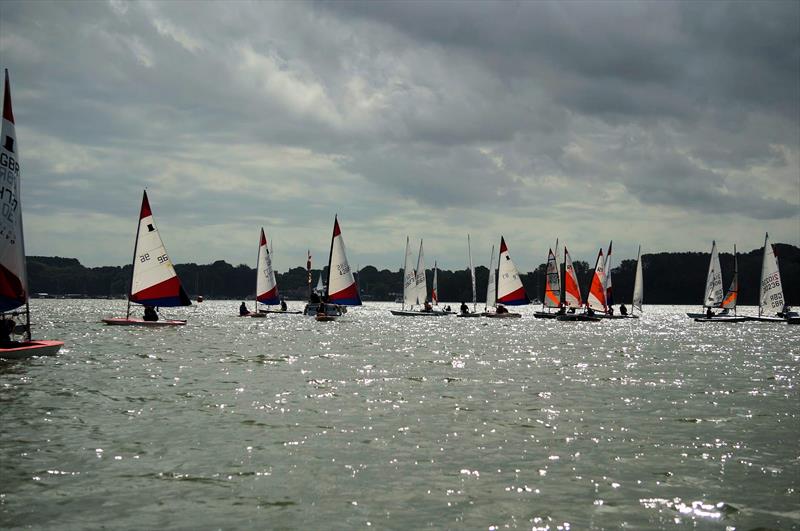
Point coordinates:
[(731, 319), (509, 315), (285, 312), (793, 320), (617, 316), (325, 318), (767, 319), (412, 313), (577, 317), (331, 310), (121, 321), (476, 314), (28, 349), (545, 315)]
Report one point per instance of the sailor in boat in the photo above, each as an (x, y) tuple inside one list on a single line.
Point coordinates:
[(589, 311), (150, 314), (283, 305), (427, 307), (447, 308), (709, 313), (561, 310), (623, 310), (786, 312), (7, 327), (610, 310), (464, 309), (501, 309), (243, 309), (322, 309), (724, 311)]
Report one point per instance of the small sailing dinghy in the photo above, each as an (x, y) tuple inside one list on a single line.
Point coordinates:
[(341, 290), (510, 291), (638, 286), (13, 269), (713, 291), (572, 294), (466, 313), (552, 288), (415, 287), (266, 284), (729, 300), (770, 290), (154, 281)]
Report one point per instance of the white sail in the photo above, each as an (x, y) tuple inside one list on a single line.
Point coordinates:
[(409, 279), (510, 290), (596, 299), (608, 286), (572, 290), (770, 291), (713, 294), (435, 286), (552, 289), (342, 287), (320, 287), (266, 285), (491, 290), (638, 284), (13, 273), (559, 263), (471, 273), (154, 281), (421, 280)]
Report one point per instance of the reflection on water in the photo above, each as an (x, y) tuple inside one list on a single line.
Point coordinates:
[(393, 422)]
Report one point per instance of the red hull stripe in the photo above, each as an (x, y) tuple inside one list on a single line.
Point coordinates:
[(8, 114), (515, 298), (348, 296), (270, 297), (145, 212)]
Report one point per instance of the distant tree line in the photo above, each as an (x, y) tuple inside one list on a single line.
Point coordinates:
[(669, 278)]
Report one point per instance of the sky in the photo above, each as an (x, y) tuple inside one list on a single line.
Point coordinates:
[(665, 124)]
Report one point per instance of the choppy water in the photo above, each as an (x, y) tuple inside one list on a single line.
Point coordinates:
[(389, 422)]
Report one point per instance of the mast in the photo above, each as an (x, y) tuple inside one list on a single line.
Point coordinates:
[(491, 286), (258, 264), (330, 256)]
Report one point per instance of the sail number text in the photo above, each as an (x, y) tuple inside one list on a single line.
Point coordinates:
[(163, 259), (343, 269)]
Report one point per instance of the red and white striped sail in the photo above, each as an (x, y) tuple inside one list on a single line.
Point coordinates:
[(421, 280), (13, 275), (552, 288), (732, 295), (596, 299), (491, 284), (154, 282), (713, 294), (510, 290), (342, 287), (770, 292), (572, 290), (435, 286), (266, 285)]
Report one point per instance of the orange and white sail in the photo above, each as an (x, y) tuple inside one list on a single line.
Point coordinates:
[(596, 299), (13, 275), (770, 291), (266, 285), (510, 290), (572, 290), (552, 287), (729, 301), (713, 293), (342, 288)]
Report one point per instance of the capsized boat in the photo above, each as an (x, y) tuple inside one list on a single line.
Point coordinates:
[(154, 281), (415, 288), (771, 304), (13, 268), (510, 291), (713, 291), (341, 290)]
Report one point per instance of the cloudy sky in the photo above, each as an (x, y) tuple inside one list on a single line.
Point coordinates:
[(665, 124)]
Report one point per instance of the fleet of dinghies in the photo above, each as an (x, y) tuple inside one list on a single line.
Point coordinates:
[(155, 284)]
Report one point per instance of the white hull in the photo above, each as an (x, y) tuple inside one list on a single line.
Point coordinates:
[(31, 348)]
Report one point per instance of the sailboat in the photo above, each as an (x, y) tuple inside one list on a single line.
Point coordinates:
[(729, 300), (13, 268), (572, 294), (770, 292), (491, 285), (510, 291), (341, 290), (552, 288), (415, 290), (319, 289), (266, 284), (154, 281), (474, 313), (713, 292), (638, 285)]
